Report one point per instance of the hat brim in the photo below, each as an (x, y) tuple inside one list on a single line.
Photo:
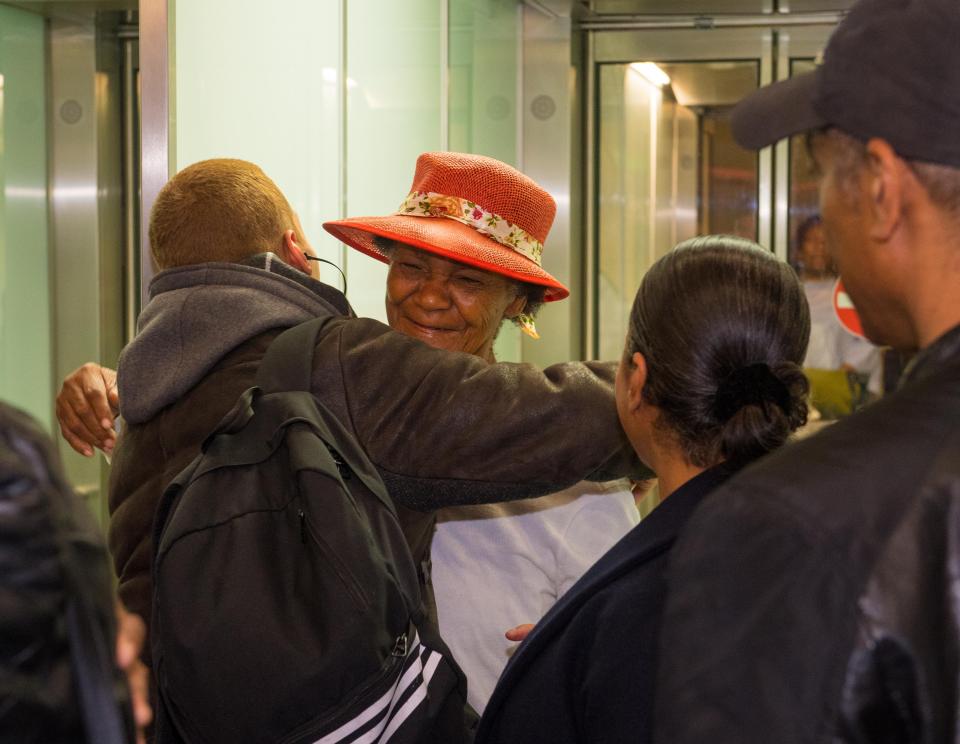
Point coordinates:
[(448, 239), (777, 111)]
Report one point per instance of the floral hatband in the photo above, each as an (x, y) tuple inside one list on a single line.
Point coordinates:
[(431, 204)]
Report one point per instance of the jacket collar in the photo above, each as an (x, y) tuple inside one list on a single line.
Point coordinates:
[(653, 536), (275, 265), (943, 352), (198, 314)]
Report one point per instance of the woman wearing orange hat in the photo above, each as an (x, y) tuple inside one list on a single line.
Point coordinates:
[(464, 250), (473, 212)]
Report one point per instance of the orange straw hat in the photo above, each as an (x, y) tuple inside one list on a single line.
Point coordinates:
[(467, 208)]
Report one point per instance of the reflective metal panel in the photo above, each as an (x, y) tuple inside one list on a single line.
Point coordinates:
[(74, 210), (810, 6), (108, 90), (795, 193), (668, 169), (674, 7), (154, 121), (131, 184), (680, 45)]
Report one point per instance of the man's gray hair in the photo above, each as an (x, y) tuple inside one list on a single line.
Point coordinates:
[(942, 182)]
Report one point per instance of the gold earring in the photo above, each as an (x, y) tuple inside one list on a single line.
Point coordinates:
[(527, 325)]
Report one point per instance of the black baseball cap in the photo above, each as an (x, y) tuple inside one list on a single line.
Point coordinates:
[(891, 70)]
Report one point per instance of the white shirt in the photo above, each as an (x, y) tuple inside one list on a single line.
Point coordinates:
[(496, 566)]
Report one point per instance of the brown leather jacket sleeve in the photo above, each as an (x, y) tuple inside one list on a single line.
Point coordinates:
[(447, 428)]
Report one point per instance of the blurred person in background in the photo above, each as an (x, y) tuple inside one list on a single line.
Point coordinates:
[(844, 369)]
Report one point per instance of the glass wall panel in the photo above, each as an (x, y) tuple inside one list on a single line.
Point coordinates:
[(668, 169), (484, 69), (283, 106), (259, 81), (337, 112), (25, 305), (393, 114), (484, 64)]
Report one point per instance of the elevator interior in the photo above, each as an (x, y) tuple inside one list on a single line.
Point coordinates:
[(661, 162)]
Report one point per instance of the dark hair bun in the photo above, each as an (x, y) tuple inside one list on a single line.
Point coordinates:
[(763, 422), (723, 326)]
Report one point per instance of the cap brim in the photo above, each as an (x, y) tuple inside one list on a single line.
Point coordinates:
[(446, 238), (776, 111)]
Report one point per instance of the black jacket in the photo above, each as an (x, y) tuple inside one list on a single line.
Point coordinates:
[(816, 597), (585, 673)]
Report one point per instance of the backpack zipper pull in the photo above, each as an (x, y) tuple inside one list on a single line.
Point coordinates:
[(342, 467), (400, 647), (303, 527)]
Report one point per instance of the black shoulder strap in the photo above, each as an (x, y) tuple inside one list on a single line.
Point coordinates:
[(288, 363)]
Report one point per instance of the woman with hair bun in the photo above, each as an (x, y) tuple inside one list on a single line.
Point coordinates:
[(710, 380)]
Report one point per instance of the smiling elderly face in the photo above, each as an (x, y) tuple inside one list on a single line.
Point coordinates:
[(447, 304)]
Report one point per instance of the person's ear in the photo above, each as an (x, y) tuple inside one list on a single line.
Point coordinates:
[(517, 306), (292, 253), (636, 380), (886, 175)]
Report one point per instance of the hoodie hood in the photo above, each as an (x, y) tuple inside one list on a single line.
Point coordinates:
[(199, 314)]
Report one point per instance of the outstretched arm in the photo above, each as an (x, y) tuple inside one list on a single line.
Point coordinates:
[(86, 406), (447, 428)]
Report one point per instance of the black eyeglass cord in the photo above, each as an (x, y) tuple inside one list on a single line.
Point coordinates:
[(331, 263)]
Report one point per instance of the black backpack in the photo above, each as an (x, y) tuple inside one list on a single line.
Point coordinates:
[(286, 603), (58, 680)]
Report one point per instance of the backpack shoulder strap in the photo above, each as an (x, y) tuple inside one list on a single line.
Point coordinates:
[(288, 363)]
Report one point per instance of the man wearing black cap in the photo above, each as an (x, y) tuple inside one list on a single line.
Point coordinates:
[(816, 598)]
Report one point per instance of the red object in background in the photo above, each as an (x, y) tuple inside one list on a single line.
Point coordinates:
[(846, 312)]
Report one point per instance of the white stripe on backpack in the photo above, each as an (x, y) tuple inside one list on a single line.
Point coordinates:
[(421, 663), (433, 659)]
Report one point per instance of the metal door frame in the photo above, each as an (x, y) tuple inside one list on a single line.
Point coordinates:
[(671, 44), (775, 39), (802, 42)]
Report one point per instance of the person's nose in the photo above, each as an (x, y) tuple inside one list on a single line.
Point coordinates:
[(434, 293)]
